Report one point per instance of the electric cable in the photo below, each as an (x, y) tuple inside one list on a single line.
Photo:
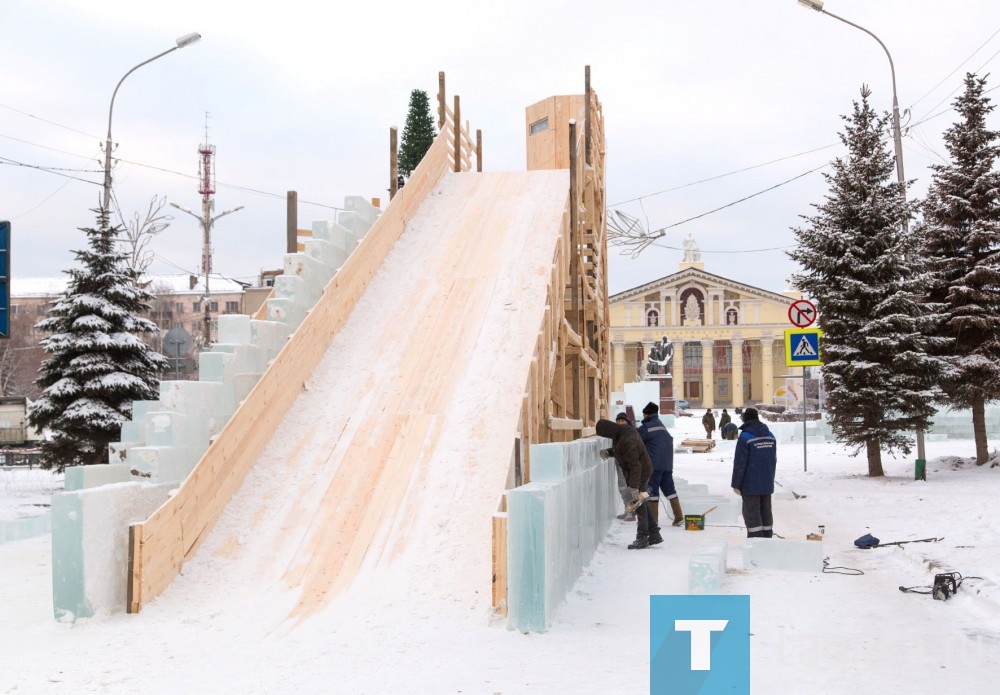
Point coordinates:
[(849, 571), (721, 176)]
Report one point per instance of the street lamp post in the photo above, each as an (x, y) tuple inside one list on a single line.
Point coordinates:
[(206, 220), (183, 41), (897, 137)]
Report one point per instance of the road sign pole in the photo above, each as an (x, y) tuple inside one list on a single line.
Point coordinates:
[(804, 466)]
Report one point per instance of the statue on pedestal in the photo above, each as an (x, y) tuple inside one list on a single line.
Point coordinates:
[(692, 254), (659, 357)]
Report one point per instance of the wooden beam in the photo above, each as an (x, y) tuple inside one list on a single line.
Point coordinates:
[(500, 562), (393, 164), (292, 222), (564, 423)]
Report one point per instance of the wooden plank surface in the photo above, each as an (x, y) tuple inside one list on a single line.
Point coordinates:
[(363, 472)]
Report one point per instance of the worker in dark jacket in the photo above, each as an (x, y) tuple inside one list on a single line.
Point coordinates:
[(724, 419), (753, 474), (630, 453), (660, 446), (622, 419), (708, 422)]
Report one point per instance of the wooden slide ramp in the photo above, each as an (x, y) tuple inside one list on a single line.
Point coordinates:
[(413, 410)]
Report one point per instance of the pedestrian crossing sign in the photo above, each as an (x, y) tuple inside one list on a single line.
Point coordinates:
[(802, 347)]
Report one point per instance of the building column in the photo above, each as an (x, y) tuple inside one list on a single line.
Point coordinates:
[(767, 368), (677, 370), (618, 365), (737, 373), (675, 316), (708, 373)]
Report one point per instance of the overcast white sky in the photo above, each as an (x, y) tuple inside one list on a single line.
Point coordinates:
[(302, 96)]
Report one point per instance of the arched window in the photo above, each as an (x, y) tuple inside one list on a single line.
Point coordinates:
[(652, 317)]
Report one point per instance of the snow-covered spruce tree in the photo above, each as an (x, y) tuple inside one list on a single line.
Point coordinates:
[(961, 245), (859, 263), (418, 133), (96, 365)]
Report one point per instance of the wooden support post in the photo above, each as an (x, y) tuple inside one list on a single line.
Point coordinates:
[(132, 600), (586, 116), (441, 100), (517, 462), (499, 594), (479, 150), (457, 128), (292, 223), (393, 164), (574, 260)]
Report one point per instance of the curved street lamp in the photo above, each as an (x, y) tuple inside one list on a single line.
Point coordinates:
[(896, 135), (183, 41), (897, 141)]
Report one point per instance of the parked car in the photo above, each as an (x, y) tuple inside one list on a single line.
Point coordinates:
[(681, 404)]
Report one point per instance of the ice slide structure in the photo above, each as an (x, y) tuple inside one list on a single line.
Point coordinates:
[(467, 326)]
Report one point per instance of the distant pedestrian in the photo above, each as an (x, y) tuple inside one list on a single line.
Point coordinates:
[(630, 454), (753, 474), (660, 446), (724, 419), (730, 431), (708, 421)]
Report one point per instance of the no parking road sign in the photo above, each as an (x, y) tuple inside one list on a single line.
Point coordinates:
[(802, 347), (802, 313)]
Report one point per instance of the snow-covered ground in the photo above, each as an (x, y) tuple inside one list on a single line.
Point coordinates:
[(812, 633)]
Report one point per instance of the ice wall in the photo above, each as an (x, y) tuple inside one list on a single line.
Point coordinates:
[(948, 424), (165, 438), (554, 525)]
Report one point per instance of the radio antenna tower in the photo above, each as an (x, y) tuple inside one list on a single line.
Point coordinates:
[(206, 187)]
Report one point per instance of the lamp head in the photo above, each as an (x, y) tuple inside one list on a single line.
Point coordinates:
[(189, 39), (812, 4)]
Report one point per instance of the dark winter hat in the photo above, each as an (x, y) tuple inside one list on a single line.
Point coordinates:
[(621, 416), (750, 414), (606, 428), (650, 408)]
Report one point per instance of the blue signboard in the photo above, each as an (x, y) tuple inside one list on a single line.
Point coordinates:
[(802, 347), (4, 279)]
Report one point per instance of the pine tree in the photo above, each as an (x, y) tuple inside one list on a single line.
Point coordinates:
[(97, 364), (961, 236), (859, 262), (418, 133)]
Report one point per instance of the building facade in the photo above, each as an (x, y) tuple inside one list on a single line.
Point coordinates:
[(710, 340), (177, 307)]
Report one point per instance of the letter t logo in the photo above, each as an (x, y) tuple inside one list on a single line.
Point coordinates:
[(701, 640)]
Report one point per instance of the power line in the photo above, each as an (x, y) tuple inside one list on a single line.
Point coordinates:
[(720, 176), (773, 248), (741, 200), (50, 170), (957, 68), (234, 186), (45, 120)]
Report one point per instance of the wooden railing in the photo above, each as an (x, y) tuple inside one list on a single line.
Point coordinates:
[(159, 546)]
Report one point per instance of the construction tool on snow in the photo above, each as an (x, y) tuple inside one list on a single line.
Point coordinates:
[(919, 540), (637, 502)]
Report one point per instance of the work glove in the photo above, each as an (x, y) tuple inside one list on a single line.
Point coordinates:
[(607, 453), (633, 494), (737, 491)]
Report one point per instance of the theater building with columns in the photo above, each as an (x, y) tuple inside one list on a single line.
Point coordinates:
[(711, 340)]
